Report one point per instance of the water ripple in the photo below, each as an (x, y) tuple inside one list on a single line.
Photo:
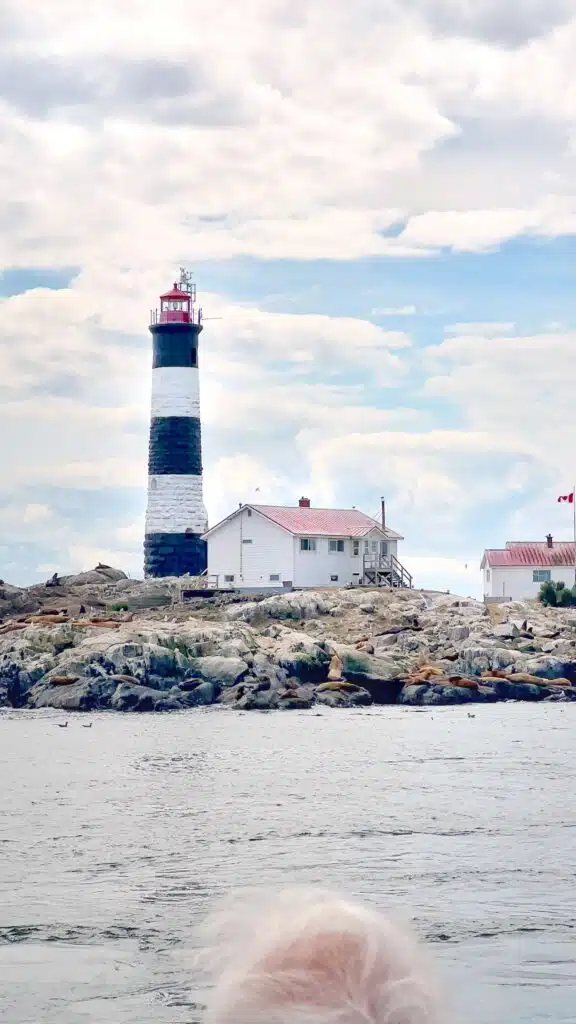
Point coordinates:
[(118, 839)]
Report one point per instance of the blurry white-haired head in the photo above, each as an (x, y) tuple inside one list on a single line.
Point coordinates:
[(304, 956)]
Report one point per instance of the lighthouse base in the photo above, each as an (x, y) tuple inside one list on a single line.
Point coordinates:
[(174, 554)]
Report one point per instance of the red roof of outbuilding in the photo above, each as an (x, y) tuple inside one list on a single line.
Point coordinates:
[(532, 554), (319, 522), (175, 293)]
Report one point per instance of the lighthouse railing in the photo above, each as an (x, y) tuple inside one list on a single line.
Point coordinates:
[(175, 316)]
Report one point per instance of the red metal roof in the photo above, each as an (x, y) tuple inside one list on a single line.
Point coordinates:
[(323, 522), (175, 293), (530, 554)]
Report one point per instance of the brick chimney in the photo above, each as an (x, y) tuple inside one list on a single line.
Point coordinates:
[(549, 541), (304, 503)]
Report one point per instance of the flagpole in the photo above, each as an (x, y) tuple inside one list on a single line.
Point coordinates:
[(574, 527)]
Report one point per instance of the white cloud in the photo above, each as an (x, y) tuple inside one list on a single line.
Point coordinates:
[(238, 479), (483, 329), (216, 133), (456, 575), (34, 513), (466, 230), (395, 311), (82, 556)]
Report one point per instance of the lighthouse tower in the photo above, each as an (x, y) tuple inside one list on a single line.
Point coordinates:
[(175, 514)]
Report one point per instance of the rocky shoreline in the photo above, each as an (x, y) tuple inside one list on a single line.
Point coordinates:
[(100, 641)]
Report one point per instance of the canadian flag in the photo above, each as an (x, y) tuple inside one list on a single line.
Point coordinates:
[(567, 497)]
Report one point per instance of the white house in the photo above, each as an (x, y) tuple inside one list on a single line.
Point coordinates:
[(264, 547), (517, 571)]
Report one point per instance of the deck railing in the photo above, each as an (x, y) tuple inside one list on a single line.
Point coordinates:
[(388, 565)]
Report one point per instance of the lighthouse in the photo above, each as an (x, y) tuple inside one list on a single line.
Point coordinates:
[(175, 515)]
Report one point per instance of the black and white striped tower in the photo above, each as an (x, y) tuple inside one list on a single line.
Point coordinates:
[(175, 515)]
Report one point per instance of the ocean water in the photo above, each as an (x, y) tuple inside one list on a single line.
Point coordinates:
[(115, 839)]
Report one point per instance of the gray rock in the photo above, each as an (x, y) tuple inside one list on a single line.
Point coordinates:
[(388, 640), (550, 667), (161, 662), (263, 667), (257, 654), (474, 659), (223, 671), (120, 655), (506, 690), (487, 694), (433, 698), (412, 694), (84, 695), (457, 695), (309, 663), (101, 574), (439, 694), (299, 702), (458, 633), (168, 704), (202, 694), (506, 631), (129, 697), (15, 684), (382, 677), (253, 699), (358, 666), (344, 698)]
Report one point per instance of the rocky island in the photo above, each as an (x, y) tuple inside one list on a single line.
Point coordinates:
[(100, 641)]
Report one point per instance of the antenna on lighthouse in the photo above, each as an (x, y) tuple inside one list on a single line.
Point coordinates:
[(186, 284)]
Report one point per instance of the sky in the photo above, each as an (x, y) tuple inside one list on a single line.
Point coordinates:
[(378, 206)]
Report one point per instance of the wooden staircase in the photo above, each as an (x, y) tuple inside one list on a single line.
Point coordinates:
[(385, 571)]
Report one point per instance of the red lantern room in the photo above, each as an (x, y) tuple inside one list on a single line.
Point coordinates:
[(175, 306)]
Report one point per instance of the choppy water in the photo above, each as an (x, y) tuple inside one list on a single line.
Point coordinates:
[(114, 839)]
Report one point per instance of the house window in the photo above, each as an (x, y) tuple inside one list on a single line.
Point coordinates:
[(366, 546), (307, 544), (336, 545), (541, 576), (228, 579), (246, 540), (275, 577), (375, 546), (488, 574), (333, 579), (355, 547), (248, 511)]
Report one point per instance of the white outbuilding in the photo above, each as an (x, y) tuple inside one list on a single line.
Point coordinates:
[(272, 547), (517, 571)]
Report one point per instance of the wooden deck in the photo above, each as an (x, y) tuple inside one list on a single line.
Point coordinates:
[(385, 571)]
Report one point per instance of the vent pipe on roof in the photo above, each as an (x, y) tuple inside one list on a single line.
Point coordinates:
[(304, 503), (383, 512), (549, 541)]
